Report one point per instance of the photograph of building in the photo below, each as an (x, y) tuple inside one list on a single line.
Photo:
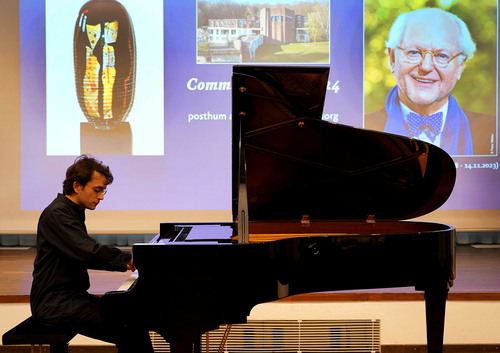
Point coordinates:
[(260, 30)]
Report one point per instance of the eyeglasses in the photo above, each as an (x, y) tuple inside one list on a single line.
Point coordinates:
[(440, 58), (100, 190)]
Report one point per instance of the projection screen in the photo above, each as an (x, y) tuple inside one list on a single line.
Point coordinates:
[(171, 152)]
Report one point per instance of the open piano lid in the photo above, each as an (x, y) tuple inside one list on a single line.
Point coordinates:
[(290, 163)]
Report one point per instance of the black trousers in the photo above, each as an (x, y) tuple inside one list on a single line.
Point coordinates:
[(128, 338)]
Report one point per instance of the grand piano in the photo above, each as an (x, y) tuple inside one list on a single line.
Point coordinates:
[(317, 207)]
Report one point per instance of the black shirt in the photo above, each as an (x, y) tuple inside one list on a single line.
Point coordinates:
[(64, 253)]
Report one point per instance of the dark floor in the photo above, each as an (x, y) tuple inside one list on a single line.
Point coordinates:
[(478, 273)]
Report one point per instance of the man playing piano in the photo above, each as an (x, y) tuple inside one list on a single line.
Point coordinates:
[(59, 293)]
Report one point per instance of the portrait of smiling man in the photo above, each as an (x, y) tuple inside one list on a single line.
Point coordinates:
[(427, 52)]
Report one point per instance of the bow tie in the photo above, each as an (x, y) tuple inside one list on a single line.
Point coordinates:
[(418, 123)]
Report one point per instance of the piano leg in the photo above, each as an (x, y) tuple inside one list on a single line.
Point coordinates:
[(181, 346), (435, 307), (197, 346)]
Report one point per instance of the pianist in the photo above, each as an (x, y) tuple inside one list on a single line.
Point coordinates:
[(64, 253)]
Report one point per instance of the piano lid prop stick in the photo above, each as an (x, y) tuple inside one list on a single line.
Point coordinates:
[(243, 228)]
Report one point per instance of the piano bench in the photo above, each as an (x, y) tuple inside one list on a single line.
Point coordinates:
[(29, 332)]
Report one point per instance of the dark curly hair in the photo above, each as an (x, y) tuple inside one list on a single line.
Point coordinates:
[(81, 171)]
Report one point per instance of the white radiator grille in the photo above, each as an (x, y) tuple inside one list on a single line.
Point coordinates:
[(294, 336)]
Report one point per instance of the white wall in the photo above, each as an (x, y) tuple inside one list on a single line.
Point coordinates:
[(467, 322)]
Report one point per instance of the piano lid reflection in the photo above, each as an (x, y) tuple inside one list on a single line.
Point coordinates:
[(318, 207)]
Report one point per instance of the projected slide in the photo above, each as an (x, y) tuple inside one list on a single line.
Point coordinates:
[(236, 32), (145, 86), (104, 73)]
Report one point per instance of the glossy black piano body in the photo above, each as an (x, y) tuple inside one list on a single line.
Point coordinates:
[(325, 204)]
